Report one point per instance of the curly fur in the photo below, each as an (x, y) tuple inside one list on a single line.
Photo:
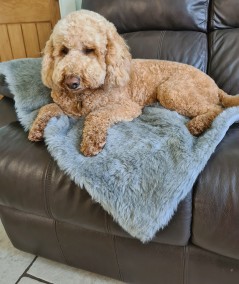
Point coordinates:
[(113, 86)]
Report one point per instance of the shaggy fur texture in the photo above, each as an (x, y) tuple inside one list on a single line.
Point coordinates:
[(147, 166), (89, 68)]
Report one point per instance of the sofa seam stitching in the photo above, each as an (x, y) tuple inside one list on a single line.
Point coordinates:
[(68, 223), (117, 258), (185, 264), (46, 188), (112, 237), (205, 50), (160, 44), (206, 5), (213, 22), (58, 242), (43, 191), (52, 221), (24, 212), (211, 44)]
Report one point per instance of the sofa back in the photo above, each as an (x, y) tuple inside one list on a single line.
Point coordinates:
[(202, 33)]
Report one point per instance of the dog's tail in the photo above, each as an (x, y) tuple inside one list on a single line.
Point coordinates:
[(227, 100)]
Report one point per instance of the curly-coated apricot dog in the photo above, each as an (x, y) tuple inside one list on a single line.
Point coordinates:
[(88, 66)]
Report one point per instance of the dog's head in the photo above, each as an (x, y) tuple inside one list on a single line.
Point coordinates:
[(85, 52)]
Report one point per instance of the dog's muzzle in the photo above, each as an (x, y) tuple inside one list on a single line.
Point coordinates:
[(72, 82)]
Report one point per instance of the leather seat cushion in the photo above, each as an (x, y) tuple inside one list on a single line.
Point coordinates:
[(36, 185), (7, 111)]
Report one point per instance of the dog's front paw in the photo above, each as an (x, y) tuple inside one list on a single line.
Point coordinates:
[(92, 146), (36, 134), (193, 128)]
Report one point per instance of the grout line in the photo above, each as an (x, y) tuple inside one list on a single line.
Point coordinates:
[(25, 272), (38, 279)]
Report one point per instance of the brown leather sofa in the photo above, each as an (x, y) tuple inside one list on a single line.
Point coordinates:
[(46, 214)]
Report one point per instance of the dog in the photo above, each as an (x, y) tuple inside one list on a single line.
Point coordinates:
[(91, 73)]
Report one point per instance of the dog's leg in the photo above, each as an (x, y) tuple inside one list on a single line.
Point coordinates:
[(45, 114), (227, 100), (97, 123), (191, 103), (200, 123)]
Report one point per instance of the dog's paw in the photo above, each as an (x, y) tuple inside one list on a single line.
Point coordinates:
[(36, 134), (194, 128), (92, 147)]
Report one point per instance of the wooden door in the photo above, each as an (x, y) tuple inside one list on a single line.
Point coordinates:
[(25, 27)]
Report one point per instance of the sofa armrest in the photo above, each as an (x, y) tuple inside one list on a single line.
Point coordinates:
[(216, 200), (7, 111), (4, 90)]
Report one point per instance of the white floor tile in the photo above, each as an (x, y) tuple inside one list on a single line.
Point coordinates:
[(12, 261), (60, 274), (27, 280)]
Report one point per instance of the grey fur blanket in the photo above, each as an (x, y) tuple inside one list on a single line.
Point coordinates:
[(147, 166)]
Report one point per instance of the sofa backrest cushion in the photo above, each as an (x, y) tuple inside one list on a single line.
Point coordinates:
[(223, 35), (202, 33), (224, 14), (188, 47), (136, 15), (160, 29)]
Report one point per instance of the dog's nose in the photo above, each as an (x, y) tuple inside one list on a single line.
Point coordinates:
[(72, 82)]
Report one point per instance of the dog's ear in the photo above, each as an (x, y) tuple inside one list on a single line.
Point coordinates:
[(47, 64), (118, 59)]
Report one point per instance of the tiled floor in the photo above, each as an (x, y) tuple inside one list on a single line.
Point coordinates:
[(23, 268)]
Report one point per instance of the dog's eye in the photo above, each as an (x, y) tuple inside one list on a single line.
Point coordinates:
[(88, 51), (64, 50)]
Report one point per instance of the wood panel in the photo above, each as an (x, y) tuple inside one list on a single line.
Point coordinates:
[(16, 40), (5, 46), (44, 31), (25, 26), (31, 40), (55, 12), (24, 11)]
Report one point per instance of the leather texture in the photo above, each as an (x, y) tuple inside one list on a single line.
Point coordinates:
[(31, 233), (46, 214), (202, 266), (124, 259), (185, 46), (138, 15), (7, 111), (52, 194), (25, 166), (224, 14), (216, 199), (4, 90), (224, 59)]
